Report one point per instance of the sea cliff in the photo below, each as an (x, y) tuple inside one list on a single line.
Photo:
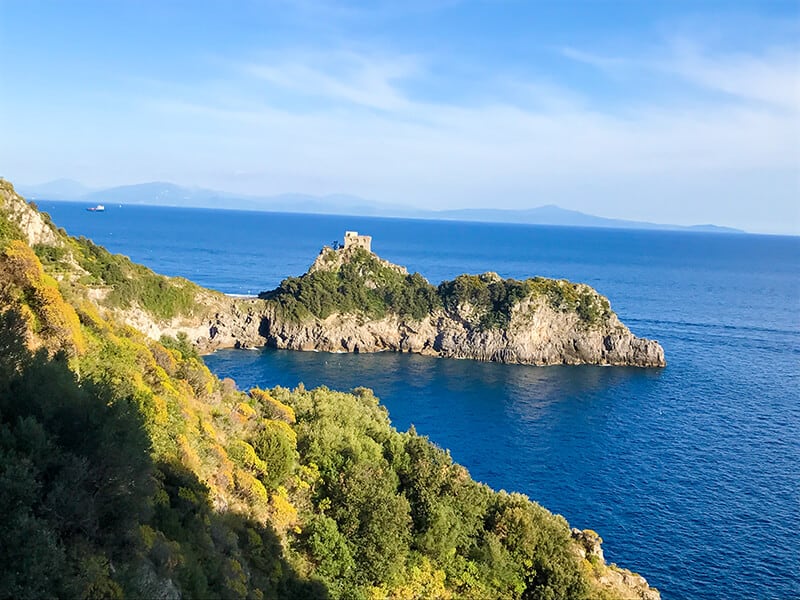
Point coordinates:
[(543, 322), (538, 321), (131, 471)]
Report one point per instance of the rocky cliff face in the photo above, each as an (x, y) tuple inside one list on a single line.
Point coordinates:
[(220, 322), (613, 580), (538, 322), (536, 335), (34, 226)]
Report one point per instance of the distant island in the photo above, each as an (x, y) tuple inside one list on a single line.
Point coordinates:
[(169, 194)]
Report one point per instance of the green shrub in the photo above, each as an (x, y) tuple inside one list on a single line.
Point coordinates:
[(362, 285), (492, 298), (276, 445), (565, 297), (8, 230), (50, 255), (163, 297), (180, 343), (365, 285)]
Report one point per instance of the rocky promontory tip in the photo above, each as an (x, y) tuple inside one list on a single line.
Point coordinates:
[(350, 300), (616, 581)]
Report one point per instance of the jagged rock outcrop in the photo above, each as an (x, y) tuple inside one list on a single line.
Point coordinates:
[(34, 226), (616, 581), (333, 260), (536, 335), (590, 544), (550, 322), (219, 322)]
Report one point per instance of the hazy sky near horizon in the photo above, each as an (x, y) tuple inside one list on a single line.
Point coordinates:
[(668, 111)]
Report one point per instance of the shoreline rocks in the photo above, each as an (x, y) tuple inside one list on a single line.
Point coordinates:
[(553, 339), (536, 335)]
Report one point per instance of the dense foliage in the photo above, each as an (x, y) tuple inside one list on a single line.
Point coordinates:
[(8, 230), (394, 512), (112, 480), (491, 297), (363, 284), (131, 283)]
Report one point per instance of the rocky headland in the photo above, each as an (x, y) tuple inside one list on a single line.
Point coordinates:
[(543, 322), (350, 300), (72, 300), (538, 321)]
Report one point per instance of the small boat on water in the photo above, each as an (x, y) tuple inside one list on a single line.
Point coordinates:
[(98, 208)]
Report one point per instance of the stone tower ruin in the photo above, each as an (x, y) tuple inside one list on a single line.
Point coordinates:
[(352, 239)]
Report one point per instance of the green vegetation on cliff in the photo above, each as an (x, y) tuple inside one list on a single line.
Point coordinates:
[(130, 283), (361, 283), (8, 230), (78, 262), (493, 298)]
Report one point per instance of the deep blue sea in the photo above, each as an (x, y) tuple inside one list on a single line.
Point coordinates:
[(690, 473)]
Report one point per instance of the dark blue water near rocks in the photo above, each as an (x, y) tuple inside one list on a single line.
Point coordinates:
[(690, 473)]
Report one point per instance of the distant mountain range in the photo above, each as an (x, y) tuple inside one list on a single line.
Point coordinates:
[(58, 189), (169, 194), (551, 214)]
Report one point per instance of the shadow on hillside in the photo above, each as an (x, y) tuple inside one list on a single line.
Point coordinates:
[(87, 513), (247, 554)]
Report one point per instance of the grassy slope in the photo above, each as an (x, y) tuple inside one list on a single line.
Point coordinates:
[(80, 265), (130, 470)]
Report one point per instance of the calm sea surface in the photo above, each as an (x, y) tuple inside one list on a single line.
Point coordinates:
[(690, 473)]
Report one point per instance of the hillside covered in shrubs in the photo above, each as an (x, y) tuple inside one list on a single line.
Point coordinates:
[(128, 470), (353, 280)]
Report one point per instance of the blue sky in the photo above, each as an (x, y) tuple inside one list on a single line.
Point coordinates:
[(676, 111)]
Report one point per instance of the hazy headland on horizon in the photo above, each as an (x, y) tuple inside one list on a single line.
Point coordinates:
[(169, 194)]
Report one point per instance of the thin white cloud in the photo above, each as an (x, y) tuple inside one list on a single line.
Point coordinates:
[(772, 76), (607, 63), (348, 76), (367, 135), (728, 134)]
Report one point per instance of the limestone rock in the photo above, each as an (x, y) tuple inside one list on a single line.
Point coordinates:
[(36, 228), (621, 583), (537, 335)]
